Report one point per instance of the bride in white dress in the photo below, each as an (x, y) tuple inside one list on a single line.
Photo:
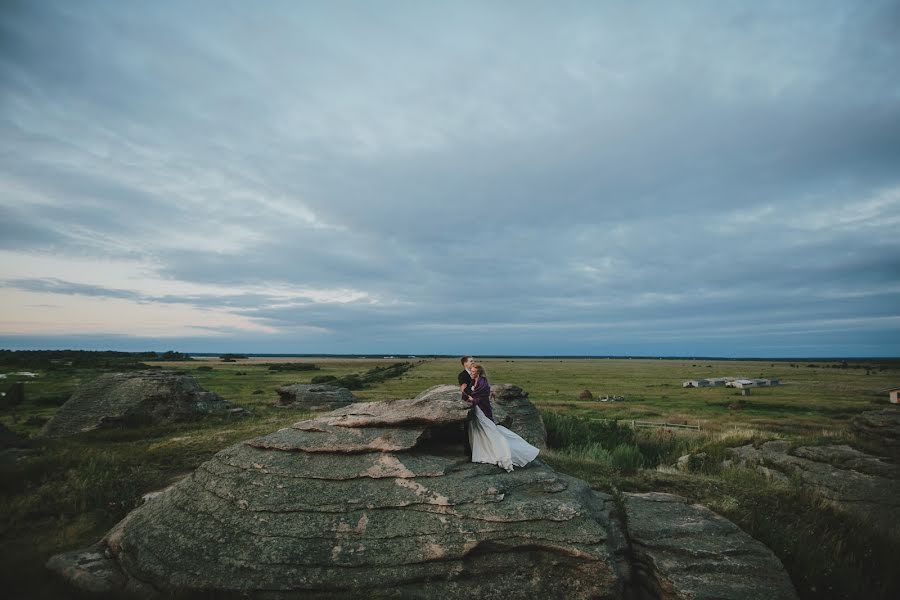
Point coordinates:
[(491, 443)]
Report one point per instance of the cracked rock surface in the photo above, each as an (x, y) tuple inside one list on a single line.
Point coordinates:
[(683, 550), (854, 481), (882, 426), (378, 500), (139, 397), (313, 397)]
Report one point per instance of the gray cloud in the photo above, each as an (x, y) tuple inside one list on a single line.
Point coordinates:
[(589, 179)]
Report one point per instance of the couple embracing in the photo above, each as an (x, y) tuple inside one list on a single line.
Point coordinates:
[(491, 443)]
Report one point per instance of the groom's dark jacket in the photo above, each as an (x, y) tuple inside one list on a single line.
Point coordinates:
[(465, 378)]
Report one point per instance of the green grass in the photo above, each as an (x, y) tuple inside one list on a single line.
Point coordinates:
[(75, 489)]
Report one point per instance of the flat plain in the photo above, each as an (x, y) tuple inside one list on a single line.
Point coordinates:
[(72, 490)]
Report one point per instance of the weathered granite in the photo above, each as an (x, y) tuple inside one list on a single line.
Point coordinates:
[(865, 485), (328, 509), (882, 426), (138, 397), (313, 397), (515, 411), (685, 551), (511, 405)]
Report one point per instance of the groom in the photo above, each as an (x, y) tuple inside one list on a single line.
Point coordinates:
[(465, 377), (465, 387)]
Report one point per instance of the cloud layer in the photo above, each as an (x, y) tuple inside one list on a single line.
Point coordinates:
[(716, 179)]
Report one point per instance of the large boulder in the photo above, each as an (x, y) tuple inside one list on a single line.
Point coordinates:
[(313, 397), (880, 426), (515, 411), (850, 480), (682, 550), (511, 406), (376, 499), (139, 397)]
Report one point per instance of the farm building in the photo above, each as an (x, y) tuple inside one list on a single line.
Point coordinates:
[(894, 392), (695, 383), (744, 383), (735, 382)]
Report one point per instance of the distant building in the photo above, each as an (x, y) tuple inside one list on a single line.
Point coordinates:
[(744, 383), (894, 392), (695, 383), (718, 381)]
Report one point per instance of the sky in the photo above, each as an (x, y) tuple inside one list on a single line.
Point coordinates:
[(709, 178)]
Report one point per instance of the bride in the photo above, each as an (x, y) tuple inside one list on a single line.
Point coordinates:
[(491, 443)]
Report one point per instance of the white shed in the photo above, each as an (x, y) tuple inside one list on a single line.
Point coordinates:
[(744, 383), (894, 392)]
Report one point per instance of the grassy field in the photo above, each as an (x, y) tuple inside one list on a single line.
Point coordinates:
[(74, 489)]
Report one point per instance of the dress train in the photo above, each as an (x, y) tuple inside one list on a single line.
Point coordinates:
[(496, 445)]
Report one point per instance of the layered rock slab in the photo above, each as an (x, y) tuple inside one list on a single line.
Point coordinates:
[(299, 513), (325, 508), (138, 397), (865, 485), (511, 405), (313, 397), (684, 551), (882, 426)]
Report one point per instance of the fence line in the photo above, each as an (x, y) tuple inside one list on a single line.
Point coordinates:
[(635, 424)]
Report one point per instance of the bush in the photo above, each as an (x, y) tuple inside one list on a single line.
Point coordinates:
[(323, 379), (626, 458), (594, 452), (661, 446), (351, 382), (566, 431), (293, 367)]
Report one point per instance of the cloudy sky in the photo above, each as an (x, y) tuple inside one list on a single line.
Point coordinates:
[(654, 178)]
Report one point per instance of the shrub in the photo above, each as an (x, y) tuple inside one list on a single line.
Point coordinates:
[(661, 446), (565, 431), (593, 452), (323, 379), (626, 458), (351, 382), (293, 367)]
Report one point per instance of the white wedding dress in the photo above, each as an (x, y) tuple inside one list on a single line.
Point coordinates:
[(496, 445)]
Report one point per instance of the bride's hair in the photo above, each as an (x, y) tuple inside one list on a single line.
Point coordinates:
[(480, 369)]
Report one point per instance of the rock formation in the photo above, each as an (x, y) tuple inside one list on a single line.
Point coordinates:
[(882, 426), (313, 397), (378, 499), (682, 550), (865, 485), (512, 409), (139, 397)]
